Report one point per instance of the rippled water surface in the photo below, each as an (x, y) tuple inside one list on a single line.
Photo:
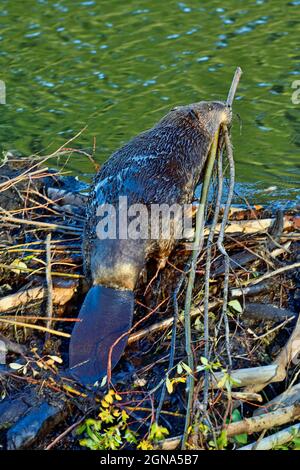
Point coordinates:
[(117, 67)]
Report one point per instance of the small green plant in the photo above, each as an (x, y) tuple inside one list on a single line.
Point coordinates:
[(221, 442), (157, 433), (111, 431)]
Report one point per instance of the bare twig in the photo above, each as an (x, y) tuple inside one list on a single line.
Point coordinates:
[(289, 267), (35, 327), (57, 227), (49, 308)]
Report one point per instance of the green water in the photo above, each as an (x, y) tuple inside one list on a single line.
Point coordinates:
[(117, 67)]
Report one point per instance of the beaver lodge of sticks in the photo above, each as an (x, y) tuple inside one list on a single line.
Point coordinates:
[(226, 377)]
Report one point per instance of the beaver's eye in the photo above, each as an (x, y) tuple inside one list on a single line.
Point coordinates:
[(209, 108)]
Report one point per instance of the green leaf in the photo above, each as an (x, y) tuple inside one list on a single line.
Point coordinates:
[(130, 437), (187, 368), (204, 361), (241, 439), (157, 433), (222, 440), (236, 416), (103, 381), (235, 305)]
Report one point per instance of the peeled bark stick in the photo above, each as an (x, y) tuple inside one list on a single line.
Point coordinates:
[(245, 377), (11, 267), (265, 421), (244, 257), (251, 290), (234, 84), (277, 439), (289, 354), (243, 396), (287, 398), (61, 295)]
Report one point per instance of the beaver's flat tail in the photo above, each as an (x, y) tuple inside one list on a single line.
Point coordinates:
[(105, 315)]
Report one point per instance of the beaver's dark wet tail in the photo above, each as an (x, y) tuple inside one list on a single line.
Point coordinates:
[(105, 315)]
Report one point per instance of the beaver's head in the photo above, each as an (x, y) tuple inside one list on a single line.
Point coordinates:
[(207, 115)]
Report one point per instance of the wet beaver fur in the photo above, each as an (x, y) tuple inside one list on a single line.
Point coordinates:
[(160, 166)]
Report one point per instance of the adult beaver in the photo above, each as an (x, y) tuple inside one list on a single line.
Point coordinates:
[(160, 166)]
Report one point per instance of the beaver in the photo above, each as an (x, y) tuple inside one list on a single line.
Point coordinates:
[(162, 165)]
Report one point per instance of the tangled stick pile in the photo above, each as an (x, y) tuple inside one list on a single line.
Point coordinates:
[(254, 349)]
